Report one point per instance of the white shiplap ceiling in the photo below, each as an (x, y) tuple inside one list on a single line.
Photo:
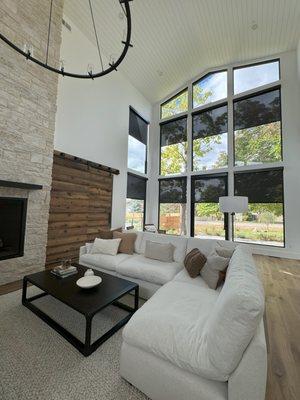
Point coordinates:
[(175, 40)]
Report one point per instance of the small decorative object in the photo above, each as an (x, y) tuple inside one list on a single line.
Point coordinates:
[(88, 282), (63, 272), (89, 272), (232, 205), (150, 228)]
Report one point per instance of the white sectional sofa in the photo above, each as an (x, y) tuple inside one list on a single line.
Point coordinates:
[(189, 341)]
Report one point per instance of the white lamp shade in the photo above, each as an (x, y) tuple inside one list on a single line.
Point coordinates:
[(233, 204)]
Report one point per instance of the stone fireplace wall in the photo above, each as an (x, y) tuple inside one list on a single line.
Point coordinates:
[(28, 96)]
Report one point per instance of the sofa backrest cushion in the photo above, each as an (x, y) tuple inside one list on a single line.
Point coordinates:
[(178, 242), (236, 314), (207, 246)]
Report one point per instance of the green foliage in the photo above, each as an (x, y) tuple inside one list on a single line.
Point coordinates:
[(175, 106)]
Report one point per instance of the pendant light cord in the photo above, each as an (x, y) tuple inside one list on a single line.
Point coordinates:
[(96, 34)]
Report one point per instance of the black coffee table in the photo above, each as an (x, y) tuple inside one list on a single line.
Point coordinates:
[(87, 302)]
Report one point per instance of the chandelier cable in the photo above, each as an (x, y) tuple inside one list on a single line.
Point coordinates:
[(96, 34), (49, 32)]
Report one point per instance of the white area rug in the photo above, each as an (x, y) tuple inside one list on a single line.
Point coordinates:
[(36, 363)]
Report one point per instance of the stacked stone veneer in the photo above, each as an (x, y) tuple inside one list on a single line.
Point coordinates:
[(27, 121)]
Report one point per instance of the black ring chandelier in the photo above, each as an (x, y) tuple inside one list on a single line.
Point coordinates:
[(28, 53)]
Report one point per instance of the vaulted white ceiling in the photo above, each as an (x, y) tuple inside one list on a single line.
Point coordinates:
[(175, 40)]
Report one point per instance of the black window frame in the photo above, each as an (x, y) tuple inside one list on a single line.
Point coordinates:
[(131, 109), (192, 216), (160, 141), (145, 193), (257, 88), (170, 99), (276, 87), (212, 102), (283, 206), (206, 109)]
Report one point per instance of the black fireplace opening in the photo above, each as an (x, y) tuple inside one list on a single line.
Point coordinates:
[(12, 227)]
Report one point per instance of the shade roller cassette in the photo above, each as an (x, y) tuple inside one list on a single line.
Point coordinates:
[(173, 132), (257, 110), (210, 123), (136, 187), (172, 190), (138, 128), (208, 189), (260, 186)]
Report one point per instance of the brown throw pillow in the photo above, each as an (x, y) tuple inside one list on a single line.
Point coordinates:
[(127, 241), (194, 262), (108, 234)]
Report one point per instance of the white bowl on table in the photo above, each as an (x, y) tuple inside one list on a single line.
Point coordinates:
[(88, 282)]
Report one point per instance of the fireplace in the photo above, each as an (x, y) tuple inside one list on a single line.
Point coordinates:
[(12, 227)]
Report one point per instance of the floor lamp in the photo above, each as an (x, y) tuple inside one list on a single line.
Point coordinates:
[(232, 205)]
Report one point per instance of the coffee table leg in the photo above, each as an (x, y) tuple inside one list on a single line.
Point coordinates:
[(24, 291), (136, 298), (88, 333)]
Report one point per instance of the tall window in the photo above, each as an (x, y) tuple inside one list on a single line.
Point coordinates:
[(172, 205), (263, 223), (173, 146), (235, 136), (257, 129), (207, 220), (135, 201), (137, 142), (176, 105), (210, 139)]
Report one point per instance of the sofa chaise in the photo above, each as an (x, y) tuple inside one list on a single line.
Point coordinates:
[(189, 341)]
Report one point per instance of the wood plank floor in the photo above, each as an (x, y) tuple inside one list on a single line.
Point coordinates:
[(281, 278)]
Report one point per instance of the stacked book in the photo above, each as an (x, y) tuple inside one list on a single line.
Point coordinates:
[(64, 272)]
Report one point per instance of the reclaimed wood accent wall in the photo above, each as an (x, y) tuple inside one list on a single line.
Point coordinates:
[(80, 205)]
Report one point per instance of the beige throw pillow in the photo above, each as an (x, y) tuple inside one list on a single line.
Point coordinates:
[(127, 241), (224, 252), (106, 246), (194, 262), (213, 266), (159, 251)]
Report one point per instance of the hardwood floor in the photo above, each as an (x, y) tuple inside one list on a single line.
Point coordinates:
[(281, 279)]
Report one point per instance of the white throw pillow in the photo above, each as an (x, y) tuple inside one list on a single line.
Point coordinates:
[(212, 267), (106, 246), (159, 251)]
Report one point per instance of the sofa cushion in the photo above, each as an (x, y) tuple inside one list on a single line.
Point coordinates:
[(207, 246), (159, 251), (140, 267), (103, 260), (127, 241), (184, 277), (178, 242), (236, 315), (170, 325)]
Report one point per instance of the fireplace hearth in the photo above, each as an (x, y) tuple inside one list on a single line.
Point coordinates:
[(12, 227)]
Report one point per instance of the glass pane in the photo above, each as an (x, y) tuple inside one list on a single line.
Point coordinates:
[(136, 187), (209, 221), (175, 106), (172, 190), (136, 155), (247, 78), (172, 218), (263, 224), (258, 145), (211, 88), (135, 214), (173, 159), (210, 152)]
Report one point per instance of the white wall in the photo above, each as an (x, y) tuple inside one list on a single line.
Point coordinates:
[(290, 90), (298, 57), (93, 116)]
